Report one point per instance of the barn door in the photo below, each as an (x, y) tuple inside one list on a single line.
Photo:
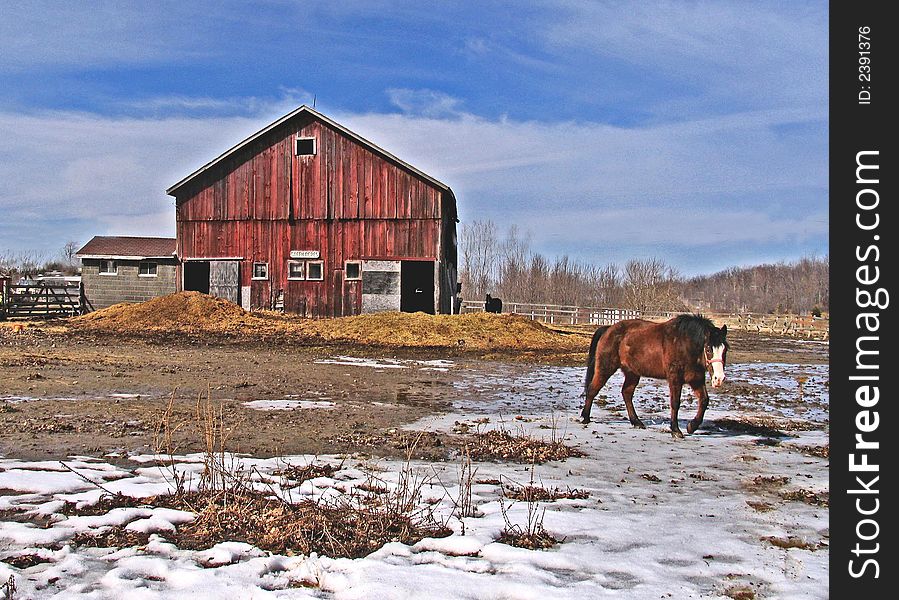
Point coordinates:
[(224, 280), (417, 286)]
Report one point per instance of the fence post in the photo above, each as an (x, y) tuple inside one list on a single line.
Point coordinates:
[(4, 294), (82, 299)]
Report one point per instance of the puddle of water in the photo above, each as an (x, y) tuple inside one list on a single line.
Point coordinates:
[(288, 404)]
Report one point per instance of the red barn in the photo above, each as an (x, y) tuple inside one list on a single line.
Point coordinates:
[(307, 216)]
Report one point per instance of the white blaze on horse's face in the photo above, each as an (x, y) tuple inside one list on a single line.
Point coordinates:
[(717, 362)]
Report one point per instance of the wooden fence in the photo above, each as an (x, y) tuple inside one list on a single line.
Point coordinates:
[(42, 299), (792, 325)]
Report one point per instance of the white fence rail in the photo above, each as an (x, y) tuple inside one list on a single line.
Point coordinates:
[(793, 325)]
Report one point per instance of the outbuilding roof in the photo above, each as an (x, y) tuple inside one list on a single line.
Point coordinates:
[(314, 113), (127, 247)]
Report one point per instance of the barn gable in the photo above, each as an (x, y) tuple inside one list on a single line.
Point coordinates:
[(347, 177)]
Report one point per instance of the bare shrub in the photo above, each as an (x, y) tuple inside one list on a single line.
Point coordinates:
[(531, 535)]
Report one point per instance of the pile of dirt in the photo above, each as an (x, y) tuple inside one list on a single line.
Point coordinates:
[(184, 311), (196, 313)]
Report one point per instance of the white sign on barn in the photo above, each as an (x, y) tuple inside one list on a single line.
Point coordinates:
[(304, 254)]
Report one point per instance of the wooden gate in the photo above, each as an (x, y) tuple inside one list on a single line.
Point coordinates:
[(42, 299), (224, 280)]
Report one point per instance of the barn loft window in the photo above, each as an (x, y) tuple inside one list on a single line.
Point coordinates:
[(315, 270), (260, 270), (146, 269), (353, 270), (108, 267), (296, 269), (305, 146)]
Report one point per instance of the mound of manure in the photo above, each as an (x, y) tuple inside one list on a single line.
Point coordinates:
[(184, 310), (193, 312)]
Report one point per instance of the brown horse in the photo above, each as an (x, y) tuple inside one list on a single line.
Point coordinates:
[(681, 350)]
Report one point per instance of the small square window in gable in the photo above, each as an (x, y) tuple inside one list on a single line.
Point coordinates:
[(305, 146)]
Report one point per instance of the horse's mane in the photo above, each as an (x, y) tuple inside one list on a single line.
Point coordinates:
[(695, 328)]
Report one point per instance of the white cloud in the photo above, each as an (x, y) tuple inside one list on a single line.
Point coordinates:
[(41, 33), (760, 55), (427, 103)]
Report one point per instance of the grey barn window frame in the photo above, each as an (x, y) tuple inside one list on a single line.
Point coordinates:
[(302, 270), (105, 264), (346, 270), (264, 265), (152, 268), (321, 266)]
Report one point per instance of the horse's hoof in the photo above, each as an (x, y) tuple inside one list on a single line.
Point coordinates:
[(691, 427), (677, 434), (585, 420), (638, 424)]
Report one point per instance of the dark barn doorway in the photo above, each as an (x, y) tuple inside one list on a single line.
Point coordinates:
[(196, 276), (417, 286)]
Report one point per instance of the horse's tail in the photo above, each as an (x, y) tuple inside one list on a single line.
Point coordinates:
[(591, 357)]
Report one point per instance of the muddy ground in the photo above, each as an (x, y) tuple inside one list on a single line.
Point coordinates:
[(63, 392)]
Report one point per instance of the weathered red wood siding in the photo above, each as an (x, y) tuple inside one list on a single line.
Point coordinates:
[(346, 201)]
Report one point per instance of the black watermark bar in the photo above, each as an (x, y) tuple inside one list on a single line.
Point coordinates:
[(864, 461)]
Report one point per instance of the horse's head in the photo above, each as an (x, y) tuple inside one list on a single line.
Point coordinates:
[(716, 354)]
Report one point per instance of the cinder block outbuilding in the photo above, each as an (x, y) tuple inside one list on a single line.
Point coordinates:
[(127, 269)]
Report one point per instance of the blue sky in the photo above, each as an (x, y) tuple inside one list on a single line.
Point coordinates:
[(695, 132)]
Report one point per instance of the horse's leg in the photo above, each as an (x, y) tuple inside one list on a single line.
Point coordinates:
[(627, 392), (702, 396), (674, 390), (600, 376)]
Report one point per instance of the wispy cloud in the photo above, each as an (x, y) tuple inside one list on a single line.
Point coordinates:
[(427, 103)]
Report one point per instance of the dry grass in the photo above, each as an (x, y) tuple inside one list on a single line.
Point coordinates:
[(818, 451), (195, 313), (792, 542), (760, 506), (807, 497), (533, 493), (499, 445), (767, 482), (295, 475), (740, 592), (230, 504), (114, 537)]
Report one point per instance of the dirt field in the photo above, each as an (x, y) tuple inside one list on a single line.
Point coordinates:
[(69, 389)]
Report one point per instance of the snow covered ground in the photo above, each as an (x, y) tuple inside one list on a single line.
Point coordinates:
[(664, 518)]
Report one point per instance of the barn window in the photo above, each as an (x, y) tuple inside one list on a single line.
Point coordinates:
[(146, 269), (353, 270), (260, 270), (315, 270), (109, 267), (305, 146), (296, 269)]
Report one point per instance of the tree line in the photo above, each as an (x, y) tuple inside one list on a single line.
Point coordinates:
[(504, 265), (29, 264)]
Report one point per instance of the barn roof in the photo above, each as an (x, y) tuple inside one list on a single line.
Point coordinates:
[(127, 248), (314, 113)]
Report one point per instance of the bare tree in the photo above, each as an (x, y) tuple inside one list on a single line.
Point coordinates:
[(651, 285), (68, 252), (478, 256)]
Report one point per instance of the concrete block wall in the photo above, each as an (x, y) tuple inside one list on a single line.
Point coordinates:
[(126, 285)]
